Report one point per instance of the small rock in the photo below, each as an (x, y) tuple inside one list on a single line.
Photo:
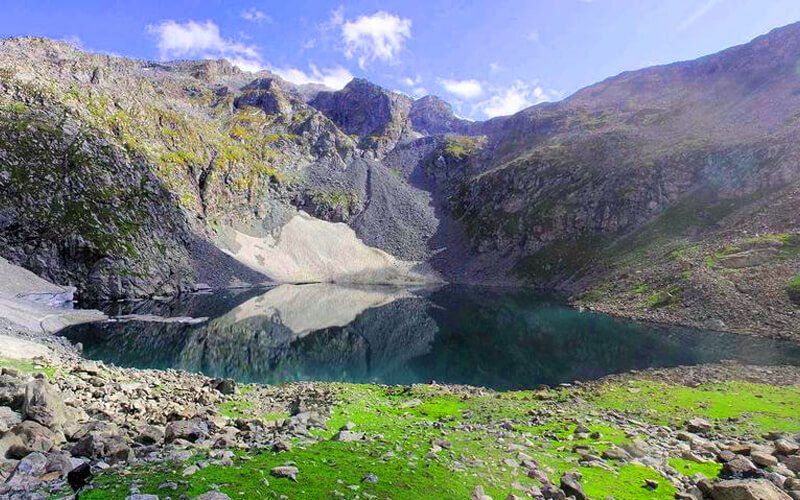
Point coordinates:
[(572, 487), (190, 471), (478, 494), (213, 495), (281, 445), (763, 459), (650, 484), (698, 425), (285, 471), (348, 436), (140, 496), (370, 478)]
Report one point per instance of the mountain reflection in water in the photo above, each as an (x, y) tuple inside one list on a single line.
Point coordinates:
[(500, 338)]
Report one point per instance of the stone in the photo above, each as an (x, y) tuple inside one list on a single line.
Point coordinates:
[(763, 459), (786, 447), (571, 486), (348, 436), (112, 448), (698, 425), (61, 462), (8, 419), (191, 430), (615, 453), (792, 462), (755, 489), (213, 495), (224, 386), (281, 445), (149, 435), (370, 478), (737, 468), (141, 496), (479, 494), (285, 471), (35, 464), (44, 404), (29, 437), (650, 484)]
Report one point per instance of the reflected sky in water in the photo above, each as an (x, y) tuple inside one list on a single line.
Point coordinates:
[(499, 338)]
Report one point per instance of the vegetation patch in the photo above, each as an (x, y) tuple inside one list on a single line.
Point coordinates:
[(664, 298), (793, 289)]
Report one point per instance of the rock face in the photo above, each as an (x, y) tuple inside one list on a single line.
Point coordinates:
[(379, 118), (431, 115)]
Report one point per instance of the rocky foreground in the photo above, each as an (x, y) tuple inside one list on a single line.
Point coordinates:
[(718, 431)]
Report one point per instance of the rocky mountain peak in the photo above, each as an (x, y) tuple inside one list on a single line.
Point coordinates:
[(432, 115), (379, 118)]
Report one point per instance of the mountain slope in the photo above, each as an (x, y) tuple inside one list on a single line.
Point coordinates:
[(668, 193)]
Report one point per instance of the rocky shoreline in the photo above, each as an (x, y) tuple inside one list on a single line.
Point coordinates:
[(66, 420)]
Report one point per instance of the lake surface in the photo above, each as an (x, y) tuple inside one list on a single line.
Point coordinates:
[(499, 338)]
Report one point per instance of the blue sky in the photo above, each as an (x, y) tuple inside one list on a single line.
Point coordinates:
[(485, 57)]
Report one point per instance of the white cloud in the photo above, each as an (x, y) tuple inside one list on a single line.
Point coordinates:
[(335, 77), (202, 39), (696, 14), (494, 66), (368, 38), (411, 81), (467, 89), (254, 15), (509, 100)]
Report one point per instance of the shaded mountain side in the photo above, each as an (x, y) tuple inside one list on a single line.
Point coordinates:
[(626, 193)]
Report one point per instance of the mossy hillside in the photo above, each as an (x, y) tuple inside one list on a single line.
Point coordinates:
[(403, 423), (786, 246)]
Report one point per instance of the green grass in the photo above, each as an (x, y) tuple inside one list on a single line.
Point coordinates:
[(664, 298), (402, 423), (793, 289), (29, 367), (689, 467), (738, 408)]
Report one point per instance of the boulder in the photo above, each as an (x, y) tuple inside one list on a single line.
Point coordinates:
[(112, 448), (738, 468), (35, 464), (149, 435), (792, 462), (763, 459), (786, 447), (191, 430), (8, 418), (43, 403), (755, 489), (28, 437)]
